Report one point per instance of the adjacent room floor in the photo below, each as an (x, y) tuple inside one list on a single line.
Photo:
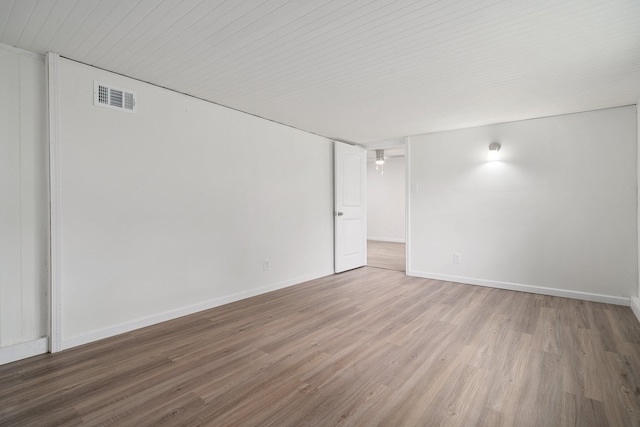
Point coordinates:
[(386, 255), (366, 347)]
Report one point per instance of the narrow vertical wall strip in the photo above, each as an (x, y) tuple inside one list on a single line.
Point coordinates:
[(407, 201), (635, 300), (21, 206), (55, 309)]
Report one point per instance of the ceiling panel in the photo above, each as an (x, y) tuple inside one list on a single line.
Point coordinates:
[(19, 15), (125, 47), (35, 22), (64, 22), (359, 70)]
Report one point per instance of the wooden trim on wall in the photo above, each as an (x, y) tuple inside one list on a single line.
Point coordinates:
[(564, 293), (23, 350), (407, 204), (52, 61)]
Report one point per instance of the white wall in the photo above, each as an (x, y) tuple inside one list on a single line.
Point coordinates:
[(23, 204), (386, 201), (173, 209), (559, 212)]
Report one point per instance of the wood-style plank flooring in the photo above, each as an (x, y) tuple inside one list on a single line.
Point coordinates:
[(387, 255), (367, 347)]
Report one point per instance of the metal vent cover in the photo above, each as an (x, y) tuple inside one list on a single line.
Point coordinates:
[(114, 97)]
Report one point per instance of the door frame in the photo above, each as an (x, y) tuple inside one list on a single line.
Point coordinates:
[(390, 143)]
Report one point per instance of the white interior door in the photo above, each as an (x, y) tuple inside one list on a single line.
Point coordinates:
[(350, 206)]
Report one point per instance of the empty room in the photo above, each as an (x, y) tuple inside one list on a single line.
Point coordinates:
[(319, 213)]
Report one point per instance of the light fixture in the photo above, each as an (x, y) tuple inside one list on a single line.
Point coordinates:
[(494, 151), (380, 161)]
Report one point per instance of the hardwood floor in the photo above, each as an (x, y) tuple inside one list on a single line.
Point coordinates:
[(366, 347), (386, 255)]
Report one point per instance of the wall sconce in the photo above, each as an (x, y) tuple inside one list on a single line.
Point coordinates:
[(380, 161), (494, 151)]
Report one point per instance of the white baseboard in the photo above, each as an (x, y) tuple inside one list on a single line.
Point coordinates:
[(635, 306), (183, 311), (23, 350), (608, 299), (386, 239)]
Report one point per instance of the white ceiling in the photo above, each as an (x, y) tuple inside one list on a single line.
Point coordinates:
[(360, 70)]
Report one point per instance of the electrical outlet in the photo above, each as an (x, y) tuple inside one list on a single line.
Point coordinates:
[(457, 258), (265, 265)]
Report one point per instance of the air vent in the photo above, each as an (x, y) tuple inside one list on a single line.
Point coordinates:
[(114, 97)]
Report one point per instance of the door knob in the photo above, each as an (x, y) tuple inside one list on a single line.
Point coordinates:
[(338, 213)]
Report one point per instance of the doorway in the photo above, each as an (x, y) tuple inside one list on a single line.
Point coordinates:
[(386, 205)]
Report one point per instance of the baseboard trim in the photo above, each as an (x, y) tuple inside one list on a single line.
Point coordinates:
[(635, 306), (183, 311), (586, 296), (23, 350), (386, 239)]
